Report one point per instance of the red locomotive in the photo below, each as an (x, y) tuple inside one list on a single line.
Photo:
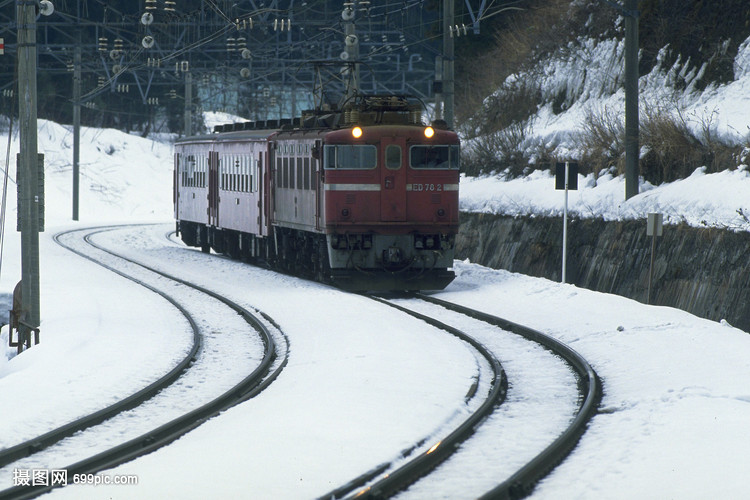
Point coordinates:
[(365, 198)]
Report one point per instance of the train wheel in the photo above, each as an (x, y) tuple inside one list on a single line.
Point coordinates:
[(187, 234), (232, 245), (302, 262), (216, 240), (322, 267), (201, 238)]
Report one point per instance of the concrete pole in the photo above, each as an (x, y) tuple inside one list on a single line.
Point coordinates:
[(448, 58), (439, 95), (350, 29), (76, 127), (294, 99), (565, 225), (28, 166), (188, 104), (632, 147)]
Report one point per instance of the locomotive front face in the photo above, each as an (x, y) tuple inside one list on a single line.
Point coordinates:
[(391, 202)]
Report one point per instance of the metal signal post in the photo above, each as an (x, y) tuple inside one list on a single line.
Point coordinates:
[(28, 164), (629, 9), (448, 62), (632, 149), (566, 178), (76, 127)]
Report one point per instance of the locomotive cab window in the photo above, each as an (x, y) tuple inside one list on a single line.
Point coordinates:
[(344, 156), (434, 157), (393, 156)]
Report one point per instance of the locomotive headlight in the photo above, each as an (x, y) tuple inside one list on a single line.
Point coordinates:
[(429, 132), (357, 132)]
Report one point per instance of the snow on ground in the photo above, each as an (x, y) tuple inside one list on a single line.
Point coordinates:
[(720, 199), (673, 420), (306, 436), (676, 405)]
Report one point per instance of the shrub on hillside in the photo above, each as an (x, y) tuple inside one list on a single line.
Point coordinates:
[(672, 147), (511, 104), (602, 140), (498, 151), (511, 152)]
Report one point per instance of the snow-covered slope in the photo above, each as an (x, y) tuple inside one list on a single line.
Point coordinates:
[(122, 176), (590, 78)]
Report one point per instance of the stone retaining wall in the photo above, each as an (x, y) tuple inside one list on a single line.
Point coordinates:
[(701, 270)]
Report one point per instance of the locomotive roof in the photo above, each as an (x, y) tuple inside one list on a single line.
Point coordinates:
[(361, 110), (392, 111), (288, 133)]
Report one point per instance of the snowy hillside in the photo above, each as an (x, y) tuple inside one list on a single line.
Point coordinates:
[(589, 79), (122, 176)]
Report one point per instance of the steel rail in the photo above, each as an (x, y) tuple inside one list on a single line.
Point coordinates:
[(522, 483), (248, 388), (425, 462), (36, 444)]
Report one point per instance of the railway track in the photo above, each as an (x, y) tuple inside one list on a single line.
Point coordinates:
[(524, 463), (167, 408), (400, 476), (484, 438)]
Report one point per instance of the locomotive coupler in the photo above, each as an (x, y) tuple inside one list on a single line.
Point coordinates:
[(393, 255)]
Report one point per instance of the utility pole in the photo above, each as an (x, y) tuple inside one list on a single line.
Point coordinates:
[(28, 165), (438, 88), (632, 148), (351, 50), (448, 59), (77, 113), (188, 104), (76, 126)]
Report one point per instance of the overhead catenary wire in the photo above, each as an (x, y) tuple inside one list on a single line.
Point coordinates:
[(307, 37)]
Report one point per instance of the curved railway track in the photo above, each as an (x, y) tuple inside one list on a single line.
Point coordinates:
[(424, 462), (262, 375), (415, 463), (518, 483)]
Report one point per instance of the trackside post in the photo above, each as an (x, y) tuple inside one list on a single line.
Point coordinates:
[(653, 229), (566, 178)]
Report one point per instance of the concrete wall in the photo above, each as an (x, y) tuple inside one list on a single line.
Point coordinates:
[(703, 271)]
